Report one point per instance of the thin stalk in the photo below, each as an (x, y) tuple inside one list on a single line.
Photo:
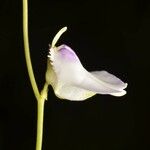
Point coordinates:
[(27, 50), (40, 97), (40, 118)]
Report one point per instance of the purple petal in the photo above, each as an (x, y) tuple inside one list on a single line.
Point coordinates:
[(67, 53)]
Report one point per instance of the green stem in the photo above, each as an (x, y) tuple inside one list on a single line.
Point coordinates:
[(27, 50), (40, 114), (40, 117), (40, 97)]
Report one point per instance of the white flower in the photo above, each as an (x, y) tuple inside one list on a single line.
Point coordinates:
[(70, 80)]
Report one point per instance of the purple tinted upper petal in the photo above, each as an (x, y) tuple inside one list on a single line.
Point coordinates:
[(67, 53)]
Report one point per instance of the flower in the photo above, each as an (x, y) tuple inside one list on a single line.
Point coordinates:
[(70, 80)]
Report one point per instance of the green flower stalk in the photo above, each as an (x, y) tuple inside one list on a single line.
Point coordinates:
[(39, 96)]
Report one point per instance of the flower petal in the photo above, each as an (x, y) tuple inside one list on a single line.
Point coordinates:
[(70, 80), (99, 86), (73, 93), (110, 78), (121, 93), (66, 64), (64, 90)]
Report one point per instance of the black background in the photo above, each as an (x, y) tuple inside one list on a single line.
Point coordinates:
[(110, 35)]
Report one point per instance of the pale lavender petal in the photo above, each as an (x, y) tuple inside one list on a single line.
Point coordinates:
[(110, 79), (93, 84), (67, 54)]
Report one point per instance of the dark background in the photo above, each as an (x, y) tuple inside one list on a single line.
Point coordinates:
[(110, 35)]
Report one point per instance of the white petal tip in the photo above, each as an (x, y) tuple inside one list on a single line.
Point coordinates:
[(124, 85), (121, 93)]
